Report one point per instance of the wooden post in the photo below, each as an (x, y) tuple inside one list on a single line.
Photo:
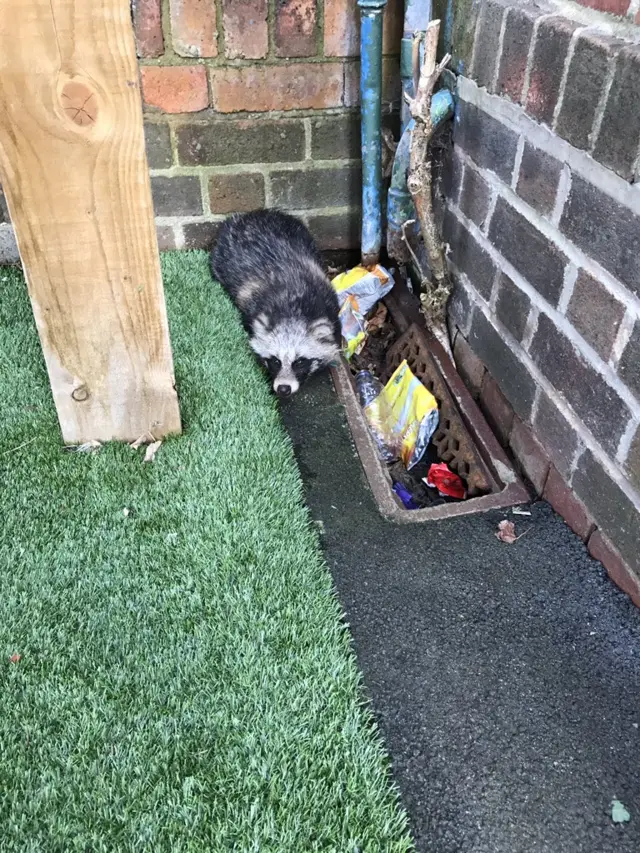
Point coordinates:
[(74, 170)]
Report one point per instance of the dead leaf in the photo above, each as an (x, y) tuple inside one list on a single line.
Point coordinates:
[(126, 511), (15, 658), (152, 449), (507, 532), (378, 320), (145, 438)]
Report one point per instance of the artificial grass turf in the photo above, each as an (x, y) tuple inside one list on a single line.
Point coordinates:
[(184, 683)]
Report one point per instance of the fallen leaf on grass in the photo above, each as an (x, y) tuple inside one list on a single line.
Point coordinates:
[(507, 532), (152, 449), (145, 438), (618, 812), (15, 658)]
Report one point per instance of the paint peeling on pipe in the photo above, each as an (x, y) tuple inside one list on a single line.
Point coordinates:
[(371, 12)]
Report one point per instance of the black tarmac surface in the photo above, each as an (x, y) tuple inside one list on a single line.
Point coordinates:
[(506, 678)]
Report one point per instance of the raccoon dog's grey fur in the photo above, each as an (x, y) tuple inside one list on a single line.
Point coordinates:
[(270, 267)]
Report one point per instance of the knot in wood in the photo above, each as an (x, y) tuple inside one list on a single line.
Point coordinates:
[(80, 394), (80, 103)]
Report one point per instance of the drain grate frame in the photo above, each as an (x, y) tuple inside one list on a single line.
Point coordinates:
[(465, 436)]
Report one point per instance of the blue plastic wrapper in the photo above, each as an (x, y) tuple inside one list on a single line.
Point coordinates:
[(405, 496)]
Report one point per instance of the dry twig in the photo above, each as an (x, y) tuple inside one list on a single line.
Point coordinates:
[(437, 288)]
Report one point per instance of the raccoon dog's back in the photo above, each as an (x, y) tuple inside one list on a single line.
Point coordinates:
[(270, 267)]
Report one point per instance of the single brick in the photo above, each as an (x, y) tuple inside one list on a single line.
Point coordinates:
[(459, 308), (147, 27), (566, 504), (512, 306), (158, 145), (613, 7), (556, 434), (236, 193), (487, 141), (246, 32), (312, 188), (497, 409), (538, 179), (617, 143), (594, 401), (595, 313), (474, 197), (336, 231), (175, 89), (619, 571), (306, 86), (221, 143), (530, 454), (549, 56), (528, 250), (200, 235), (468, 256), (605, 230), (586, 79), (515, 52), (296, 27), (629, 364), (342, 28), (4, 210), (452, 176), (614, 513), (176, 196), (488, 43), (632, 462), (514, 379), (193, 27), (166, 237), (468, 365), (335, 137)]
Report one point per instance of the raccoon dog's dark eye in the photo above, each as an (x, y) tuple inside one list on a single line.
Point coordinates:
[(300, 363), (273, 363)]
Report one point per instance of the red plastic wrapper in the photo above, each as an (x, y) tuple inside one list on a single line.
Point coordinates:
[(440, 477)]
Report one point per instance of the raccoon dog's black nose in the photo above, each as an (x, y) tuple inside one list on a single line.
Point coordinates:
[(283, 390)]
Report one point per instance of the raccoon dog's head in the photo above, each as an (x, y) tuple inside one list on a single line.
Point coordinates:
[(292, 349)]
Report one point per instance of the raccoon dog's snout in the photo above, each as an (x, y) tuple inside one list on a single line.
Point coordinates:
[(270, 267)]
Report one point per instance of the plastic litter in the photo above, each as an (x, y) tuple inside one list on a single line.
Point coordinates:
[(442, 478), (358, 290), (377, 414), (405, 496), (402, 416), (413, 412)]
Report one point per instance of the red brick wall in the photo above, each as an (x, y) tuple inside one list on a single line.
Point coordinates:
[(543, 220), (250, 103)]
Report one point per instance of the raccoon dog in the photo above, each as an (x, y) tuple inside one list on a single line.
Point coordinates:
[(270, 267)]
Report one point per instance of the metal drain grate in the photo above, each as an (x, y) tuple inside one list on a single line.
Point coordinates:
[(452, 439)]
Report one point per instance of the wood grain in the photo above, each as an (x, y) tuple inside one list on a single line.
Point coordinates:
[(74, 170)]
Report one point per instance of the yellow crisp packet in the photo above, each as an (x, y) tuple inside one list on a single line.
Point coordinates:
[(358, 290), (413, 413)]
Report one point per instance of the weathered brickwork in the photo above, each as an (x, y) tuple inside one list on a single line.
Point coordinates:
[(543, 220), (254, 104)]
